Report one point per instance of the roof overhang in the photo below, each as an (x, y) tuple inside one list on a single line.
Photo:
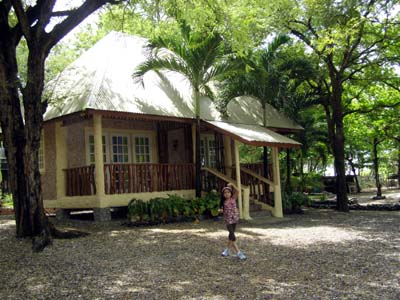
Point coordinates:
[(253, 134)]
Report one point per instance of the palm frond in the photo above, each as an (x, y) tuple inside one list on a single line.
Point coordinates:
[(158, 64), (207, 91)]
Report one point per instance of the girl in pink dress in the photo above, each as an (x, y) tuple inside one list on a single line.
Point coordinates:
[(231, 217)]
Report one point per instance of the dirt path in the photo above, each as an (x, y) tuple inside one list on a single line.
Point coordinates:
[(322, 254)]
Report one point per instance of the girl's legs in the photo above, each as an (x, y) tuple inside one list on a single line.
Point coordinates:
[(232, 241), (235, 246), (232, 238)]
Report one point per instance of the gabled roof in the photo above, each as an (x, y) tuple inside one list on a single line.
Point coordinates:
[(101, 79), (255, 135), (248, 110)]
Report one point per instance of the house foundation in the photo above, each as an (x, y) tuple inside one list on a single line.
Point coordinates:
[(62, 214), (102, 214)]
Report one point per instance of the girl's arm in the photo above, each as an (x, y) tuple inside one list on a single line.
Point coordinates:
[(234, 191)]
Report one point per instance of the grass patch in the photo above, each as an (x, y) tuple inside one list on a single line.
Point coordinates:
[(7, 201)]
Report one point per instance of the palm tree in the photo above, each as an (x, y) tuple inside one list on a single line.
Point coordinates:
[(269, 78), (262, 80), (200, 58)]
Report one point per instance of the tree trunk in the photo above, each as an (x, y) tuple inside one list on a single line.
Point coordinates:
[(266, 174), (198, 162), (398, 165), (22, 133), (22, 143), (353, 170), (288, 172), (376, 169), (338, 143), (12, 126)]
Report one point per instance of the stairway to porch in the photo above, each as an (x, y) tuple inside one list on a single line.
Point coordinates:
[(254, 206)]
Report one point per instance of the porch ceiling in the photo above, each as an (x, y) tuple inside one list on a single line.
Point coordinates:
[(253, 134)]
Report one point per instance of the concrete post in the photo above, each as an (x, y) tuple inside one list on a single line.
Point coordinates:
[(278, 211), (238, 182), (101, 212), (61, 160)]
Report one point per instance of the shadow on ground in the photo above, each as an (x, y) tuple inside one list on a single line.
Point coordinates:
[(322, 254)]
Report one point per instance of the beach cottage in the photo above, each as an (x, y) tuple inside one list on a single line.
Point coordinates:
[(107, 139)]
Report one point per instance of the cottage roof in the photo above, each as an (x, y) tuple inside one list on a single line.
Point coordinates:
[(101, 79), (248, 110), (253, 134)]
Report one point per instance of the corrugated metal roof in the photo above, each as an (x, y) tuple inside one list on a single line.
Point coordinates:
[(254, 134), (101, 79), (248, 110)]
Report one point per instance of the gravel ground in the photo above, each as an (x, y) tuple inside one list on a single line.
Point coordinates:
[(322, 254)]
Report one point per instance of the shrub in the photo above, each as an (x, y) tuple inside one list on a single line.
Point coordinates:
[(138, 210), (294, 201), (212, 200), (172, 208), (198, 206), (311, 182)]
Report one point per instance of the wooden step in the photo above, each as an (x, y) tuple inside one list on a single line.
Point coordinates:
[(255, 207)]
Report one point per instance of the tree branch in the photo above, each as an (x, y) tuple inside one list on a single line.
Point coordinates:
[(46, 8), (62, 13), (365, 111), (23, 20), (75, 18)]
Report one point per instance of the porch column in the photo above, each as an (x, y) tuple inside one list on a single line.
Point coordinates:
[(98, 157), (238, 180), (228, 155), (277, 211), (101, 212), (61, 160)]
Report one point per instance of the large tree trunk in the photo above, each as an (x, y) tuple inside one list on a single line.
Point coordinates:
[(22, 144), (34, 110), (398, 163), (22, 134), (338, 142), (13, 133)]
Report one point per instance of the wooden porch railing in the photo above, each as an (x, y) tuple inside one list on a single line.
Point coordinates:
[(251, 175), (258, 168), (131, 178), (139, 178), (80, 181)]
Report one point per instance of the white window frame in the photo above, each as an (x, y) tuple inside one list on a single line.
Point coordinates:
[(206, 139), (106, 154), (150, 137), (120, 134)]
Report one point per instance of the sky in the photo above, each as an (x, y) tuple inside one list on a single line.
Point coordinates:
[(66, 5)]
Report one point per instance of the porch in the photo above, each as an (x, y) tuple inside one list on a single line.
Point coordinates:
[(125, 181), (149, 164)]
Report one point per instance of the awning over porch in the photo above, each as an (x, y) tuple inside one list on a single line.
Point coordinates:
[(253, 134)]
